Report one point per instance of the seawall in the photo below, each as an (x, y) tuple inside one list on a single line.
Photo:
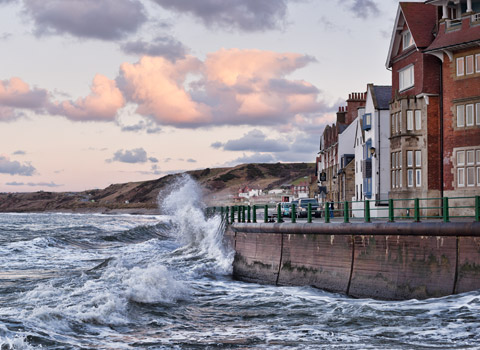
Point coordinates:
[(392, 261)]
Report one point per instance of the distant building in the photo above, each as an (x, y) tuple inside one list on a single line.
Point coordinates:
[(329, 166)]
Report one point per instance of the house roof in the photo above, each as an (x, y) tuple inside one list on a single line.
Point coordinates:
[(466, 36), (420, 19), (382, 96)]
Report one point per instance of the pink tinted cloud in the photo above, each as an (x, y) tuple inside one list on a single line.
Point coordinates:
[(102, 104), (158, 87), (15, 93)]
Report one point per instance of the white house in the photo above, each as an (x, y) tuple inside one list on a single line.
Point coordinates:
[(372, 151)]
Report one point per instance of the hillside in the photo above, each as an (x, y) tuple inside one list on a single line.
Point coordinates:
[(218, 184)]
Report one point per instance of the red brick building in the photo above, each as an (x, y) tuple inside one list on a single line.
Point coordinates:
[(415, 135), (457, 48)]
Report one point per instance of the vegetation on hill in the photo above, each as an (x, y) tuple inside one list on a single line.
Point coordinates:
[(219, 185)]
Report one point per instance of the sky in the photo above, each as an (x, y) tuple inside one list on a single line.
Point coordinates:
[(97, 92)]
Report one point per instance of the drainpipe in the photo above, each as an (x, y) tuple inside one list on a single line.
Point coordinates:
[(441, 130)]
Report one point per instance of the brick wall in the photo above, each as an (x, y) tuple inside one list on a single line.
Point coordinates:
[(458, 90)]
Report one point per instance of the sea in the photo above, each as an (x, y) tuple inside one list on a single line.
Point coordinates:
[(93, 281)]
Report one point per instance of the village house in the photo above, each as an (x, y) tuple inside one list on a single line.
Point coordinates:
[(331, 187), (371, 145), (415, 153)]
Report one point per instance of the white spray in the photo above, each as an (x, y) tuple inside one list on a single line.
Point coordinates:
[(183, 202)]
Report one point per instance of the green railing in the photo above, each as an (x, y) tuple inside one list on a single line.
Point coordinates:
[(391, 210)]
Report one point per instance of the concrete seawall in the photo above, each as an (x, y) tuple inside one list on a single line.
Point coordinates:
[(375, 260)]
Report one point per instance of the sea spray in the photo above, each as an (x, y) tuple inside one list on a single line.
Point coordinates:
[(182, 200)]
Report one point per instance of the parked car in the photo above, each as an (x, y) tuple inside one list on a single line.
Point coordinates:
[(302, 209), (285, 208)]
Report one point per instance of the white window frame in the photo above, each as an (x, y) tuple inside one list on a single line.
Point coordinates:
[(470, 114), (468, 59), (477, 112), (399, 162), (409, 159), (460, 116), (407, 72), (460, 64), (460, 158), (418, 177), (461, 177), (410, 120), (418, 158), (478, 156), (470, 157), (470, 174), (477, 63), (410, 177), (394, 183), (407, 43), (478, 176), (393, 124), (399, 177), (418, 119)]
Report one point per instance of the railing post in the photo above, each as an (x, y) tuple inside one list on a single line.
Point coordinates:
[(327, 213), (477, 208), (416, 210), (239, 213), (243, 213), (294, 214), (248, 214), (279, 213), (309, 213), (446, 216), (254, 213), (265, 216), (346, 218), (391, 211), (232, 214), (367, 210)]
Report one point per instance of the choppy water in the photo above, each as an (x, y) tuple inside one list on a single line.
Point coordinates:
[(164, 282)]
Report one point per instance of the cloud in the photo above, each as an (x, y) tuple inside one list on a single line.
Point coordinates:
[(245, 15), (363, 8), (33, 184), (20, 152), (16, 93), (137, 155), (5, 36), (255, 141), (153, 160), (98, 19), (148, 126), (15, 168), (157, 86), (101, 105), (164, 46), (190, 160)]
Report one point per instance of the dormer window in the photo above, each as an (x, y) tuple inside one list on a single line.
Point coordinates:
[(407, 39)]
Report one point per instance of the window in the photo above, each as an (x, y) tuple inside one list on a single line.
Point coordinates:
[(418, 177), (478, 113), (394, 183), (478, 176), (478, 156), (399, 120), (470, 157), (410, 177), (461, 177), (392, 124), (409, 120), (418, 158), (469, 113), (409, 158), (469, 64), (460, 116), (460, 158), (367, 121), (418, 119), (406, 76), (407, 39), (460, 66), (477, 63), (470, 176)]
